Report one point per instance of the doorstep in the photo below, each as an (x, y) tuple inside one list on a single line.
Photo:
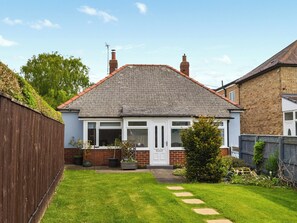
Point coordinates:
[(170, 167)]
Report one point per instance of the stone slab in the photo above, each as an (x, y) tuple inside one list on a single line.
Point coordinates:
[(219, 221), (175, 188), (193, 201), (205, 211), (183, 194)]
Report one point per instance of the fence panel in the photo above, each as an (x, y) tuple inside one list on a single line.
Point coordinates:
[(285, 145), (31, 161)]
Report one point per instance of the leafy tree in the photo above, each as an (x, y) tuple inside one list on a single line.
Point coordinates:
[(202, 144), (56, 78)]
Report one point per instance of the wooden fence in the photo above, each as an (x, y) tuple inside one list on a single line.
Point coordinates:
[(31, 161), (285, 145)]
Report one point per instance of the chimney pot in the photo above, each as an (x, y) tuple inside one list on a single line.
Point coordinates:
[(185, 66), (113, 63)]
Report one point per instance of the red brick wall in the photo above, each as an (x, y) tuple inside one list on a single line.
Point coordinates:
[(143, 158), (99, 157), (177, 157), (69, 153)]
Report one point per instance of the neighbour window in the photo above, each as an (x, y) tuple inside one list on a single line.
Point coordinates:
[(137, 133), (232, 95), (92, 133), (288, 116), (109, 132), (176, 128)]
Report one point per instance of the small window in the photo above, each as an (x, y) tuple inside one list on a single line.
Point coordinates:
[(295, 115), (175, 138), (232, 95), (220, 123), (222, 135), (110, 123), (178, 123), (107, 137), (92, 133), (138, 136), (288, 116), (136, 123)]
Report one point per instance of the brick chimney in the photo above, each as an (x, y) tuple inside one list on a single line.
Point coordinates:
[(185, 66), (113, 63)]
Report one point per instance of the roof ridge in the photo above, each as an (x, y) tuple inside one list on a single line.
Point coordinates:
[(202, 85)]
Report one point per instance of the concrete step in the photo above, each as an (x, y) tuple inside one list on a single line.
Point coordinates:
[(160, 167)]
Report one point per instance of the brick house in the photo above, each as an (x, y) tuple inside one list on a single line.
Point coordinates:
[(149, 105), (260, 92)]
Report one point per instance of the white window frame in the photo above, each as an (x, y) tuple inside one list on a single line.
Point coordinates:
[(232, 95), (98, 127), (127, 127), (171, 126), (290, 124), (224, 127)]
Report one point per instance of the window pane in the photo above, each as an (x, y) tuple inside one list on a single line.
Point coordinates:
[(156, 136), (137, 123), (162, 136), (138, 136), (110, 123), (289, 116), (108, 136), (232, 96), (175, 138), (92, 132), (222, 135), (180, 123)]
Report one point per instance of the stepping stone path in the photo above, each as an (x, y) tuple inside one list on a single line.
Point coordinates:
[(193, 201), (205, 211), (219, 221), (183, 194), (202, 211)]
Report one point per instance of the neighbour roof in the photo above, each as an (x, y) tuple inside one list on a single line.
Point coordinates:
[(225, 86), (149, 90), (290, 97), (286, 57)]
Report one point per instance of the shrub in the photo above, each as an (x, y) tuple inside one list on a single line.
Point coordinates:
[(272, 163), (179, 172), (258, 158), (229, 162), (202, 144), (258, 180)]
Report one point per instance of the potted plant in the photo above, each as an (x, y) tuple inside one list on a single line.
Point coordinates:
[(128, 161), (113, 161), (84, 148)]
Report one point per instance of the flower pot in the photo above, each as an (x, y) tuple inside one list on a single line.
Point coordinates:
[(113, 162), (129, 165), (78, 160), (87, 163)]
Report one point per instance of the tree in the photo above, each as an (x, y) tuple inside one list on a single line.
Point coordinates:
[(56, 78), (202, 144)]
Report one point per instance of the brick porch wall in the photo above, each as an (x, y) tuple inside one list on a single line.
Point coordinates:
[(69, 153), (99, 157), (177, 157), (143, 158)]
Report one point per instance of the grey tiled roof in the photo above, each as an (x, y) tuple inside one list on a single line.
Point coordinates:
[(290, 97), (148, 90), (286, 57)]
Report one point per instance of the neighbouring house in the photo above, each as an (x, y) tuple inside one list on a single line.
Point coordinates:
[(149, 105), (260, 91), (289, 108)]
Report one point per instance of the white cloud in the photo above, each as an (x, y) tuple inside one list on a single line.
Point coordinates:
[(94, 12), (106, 17), (12, 22), (44, 24), (141, 7), (224, 59), (6, 43), (87, 10)]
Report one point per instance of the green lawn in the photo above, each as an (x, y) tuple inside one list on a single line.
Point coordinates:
[(87, 196)]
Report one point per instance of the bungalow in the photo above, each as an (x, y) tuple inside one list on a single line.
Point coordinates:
[(148, 104)]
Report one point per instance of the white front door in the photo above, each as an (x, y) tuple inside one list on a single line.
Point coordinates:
[(160, 154)]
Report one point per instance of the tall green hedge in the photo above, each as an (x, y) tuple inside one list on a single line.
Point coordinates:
[(19, 89), (202, 144)]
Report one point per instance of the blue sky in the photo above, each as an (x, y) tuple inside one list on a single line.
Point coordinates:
[(223, 40)]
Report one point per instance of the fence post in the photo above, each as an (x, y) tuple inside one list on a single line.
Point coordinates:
[(281, 148), (240, 146)]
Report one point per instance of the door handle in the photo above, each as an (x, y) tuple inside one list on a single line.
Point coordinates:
[(166, 143)]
